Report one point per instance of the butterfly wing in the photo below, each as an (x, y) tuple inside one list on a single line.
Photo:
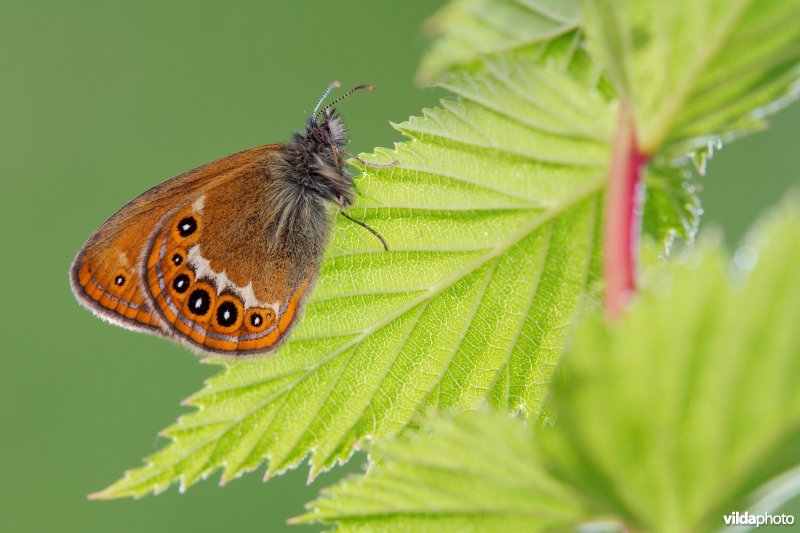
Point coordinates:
[(227, 271), (106, 275)]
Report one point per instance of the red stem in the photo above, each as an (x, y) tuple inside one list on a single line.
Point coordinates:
[(623, 215)]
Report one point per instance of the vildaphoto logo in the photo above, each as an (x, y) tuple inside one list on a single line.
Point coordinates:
[(763, 519)]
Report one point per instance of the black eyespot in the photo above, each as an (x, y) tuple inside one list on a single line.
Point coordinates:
[(256, 320), (177, 259), (227, 314), (181, 283), (199, 302), (187, 226), (119, 281)]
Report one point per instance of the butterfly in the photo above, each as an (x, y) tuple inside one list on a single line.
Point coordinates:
[(221, 258)]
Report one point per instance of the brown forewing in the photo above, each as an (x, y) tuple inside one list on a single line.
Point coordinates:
[(106, 276)]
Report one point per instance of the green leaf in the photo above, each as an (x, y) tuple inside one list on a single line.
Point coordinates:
[(655, 53), (492, 219), (665, 421), (671, 204), (480, 471), (467, 29), (467, 35), (673, 417), (693, 69)]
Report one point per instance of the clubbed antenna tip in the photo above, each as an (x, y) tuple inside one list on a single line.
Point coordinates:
[(332, 85), (365, 87)]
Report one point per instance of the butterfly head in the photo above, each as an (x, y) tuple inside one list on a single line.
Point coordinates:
[(326, 130), (325, 126), (316, 154)]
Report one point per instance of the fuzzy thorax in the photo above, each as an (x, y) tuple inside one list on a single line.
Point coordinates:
[(314, 161)]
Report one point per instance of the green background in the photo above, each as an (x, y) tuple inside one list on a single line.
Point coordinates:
[(101, 100)]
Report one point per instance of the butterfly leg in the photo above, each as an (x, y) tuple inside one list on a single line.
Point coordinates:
[(363, 225)]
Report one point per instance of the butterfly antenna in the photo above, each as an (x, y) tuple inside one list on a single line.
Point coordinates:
[(368, 228), (333, 85), (346, 95)]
